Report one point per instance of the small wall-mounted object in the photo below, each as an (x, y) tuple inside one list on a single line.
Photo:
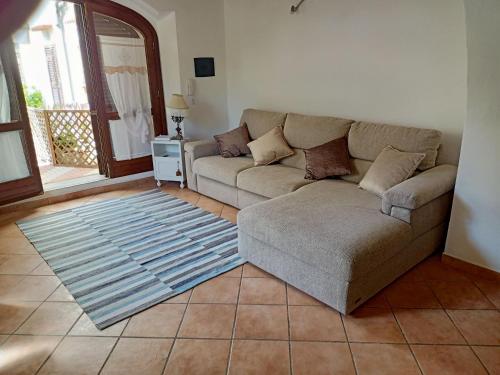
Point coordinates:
[(295, 8), (190, 87), (204, 67), (190, 91)]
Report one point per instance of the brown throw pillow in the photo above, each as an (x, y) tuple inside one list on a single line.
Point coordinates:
[(234, 142), (327, 160)]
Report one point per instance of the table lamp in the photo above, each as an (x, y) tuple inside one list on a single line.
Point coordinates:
[(179, 107)]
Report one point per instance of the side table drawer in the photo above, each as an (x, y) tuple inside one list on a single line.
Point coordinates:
[(166, 167)]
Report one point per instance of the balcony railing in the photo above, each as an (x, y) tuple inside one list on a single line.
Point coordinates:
[(63, 137)]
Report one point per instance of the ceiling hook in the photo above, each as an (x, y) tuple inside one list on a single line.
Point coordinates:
[(295, 8)]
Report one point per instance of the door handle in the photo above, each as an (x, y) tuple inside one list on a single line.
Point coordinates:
[(93, 112)]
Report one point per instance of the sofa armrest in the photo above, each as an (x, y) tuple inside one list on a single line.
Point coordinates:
[(199, 149), (195, 150), (420, 189)]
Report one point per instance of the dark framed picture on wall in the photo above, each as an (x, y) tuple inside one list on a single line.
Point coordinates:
[(204, 67)]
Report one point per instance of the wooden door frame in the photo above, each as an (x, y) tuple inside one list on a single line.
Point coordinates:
[(113, 168), (30, 186), (91, 82)]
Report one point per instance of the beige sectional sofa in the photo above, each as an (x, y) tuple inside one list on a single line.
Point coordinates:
[(329, 238)]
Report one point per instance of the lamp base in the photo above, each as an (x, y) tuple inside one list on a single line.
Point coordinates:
[(178, 120)]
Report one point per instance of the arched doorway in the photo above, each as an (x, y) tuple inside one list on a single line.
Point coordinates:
[(125, 74), (123, 82)]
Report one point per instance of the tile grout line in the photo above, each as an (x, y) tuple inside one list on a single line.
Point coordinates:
[(405, 338), (479, 359), (473, 283), (113, 347), (454, 325), (29, 272), (9, 335), (483, 293), (267, 304), (176, 333), (289, 331), (33, 312), (348, 343), (59, 343), (425, 281), (229, 355), (257, 339)]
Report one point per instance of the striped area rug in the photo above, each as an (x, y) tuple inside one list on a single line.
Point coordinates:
[(121, 256)]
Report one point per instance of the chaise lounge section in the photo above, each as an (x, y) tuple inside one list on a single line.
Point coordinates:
[(329, 238)]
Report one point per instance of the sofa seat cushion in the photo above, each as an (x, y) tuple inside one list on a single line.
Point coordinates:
[(222, 169), (272, 180), (332, 225)]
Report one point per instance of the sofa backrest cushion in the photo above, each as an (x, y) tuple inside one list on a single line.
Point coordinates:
[(297, 160), (366, 141), (359, 167), (303, 131), (260, 122)]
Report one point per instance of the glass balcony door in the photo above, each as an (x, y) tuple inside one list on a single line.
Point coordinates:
[(19, 173), (124, 61)]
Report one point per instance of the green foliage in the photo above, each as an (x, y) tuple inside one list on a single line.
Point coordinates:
[(65, 140), (33, 96)]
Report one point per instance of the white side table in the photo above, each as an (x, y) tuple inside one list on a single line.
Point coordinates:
[(168, 160)]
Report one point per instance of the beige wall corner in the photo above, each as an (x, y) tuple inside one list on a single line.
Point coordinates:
[(474, 232)]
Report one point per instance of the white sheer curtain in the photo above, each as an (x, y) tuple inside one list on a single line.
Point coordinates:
[(13, 162), (4, 97), (124, 61)]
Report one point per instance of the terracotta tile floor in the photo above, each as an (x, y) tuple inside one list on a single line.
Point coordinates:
[(433, 320)]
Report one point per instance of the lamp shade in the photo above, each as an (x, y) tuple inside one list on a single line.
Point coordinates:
[(177, 101)]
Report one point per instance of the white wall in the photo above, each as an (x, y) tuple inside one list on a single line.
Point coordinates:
[(474, 234), (199, 29), (169, 55), (199, 26), (401, 62)]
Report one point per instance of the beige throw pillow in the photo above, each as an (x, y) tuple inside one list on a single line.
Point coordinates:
[(270, 147), (390, 168)]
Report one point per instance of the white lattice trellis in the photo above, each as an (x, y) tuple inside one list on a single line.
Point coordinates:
[(66, 135), (41, 139)]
